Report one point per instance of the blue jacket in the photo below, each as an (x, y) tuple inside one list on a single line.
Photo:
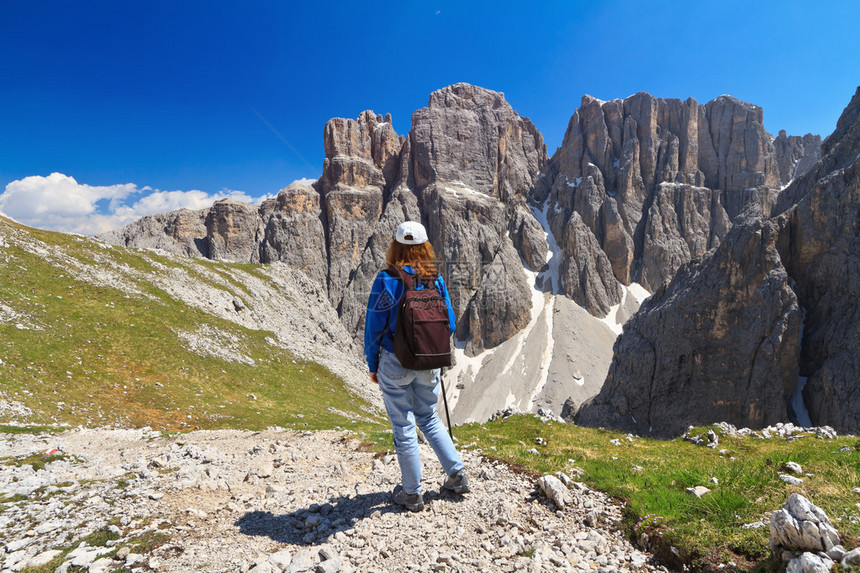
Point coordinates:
[(382, 307)]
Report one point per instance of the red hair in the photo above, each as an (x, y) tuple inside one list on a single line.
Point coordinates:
[(421, 257)]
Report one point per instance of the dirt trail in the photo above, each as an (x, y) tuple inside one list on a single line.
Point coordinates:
[(286, 501)]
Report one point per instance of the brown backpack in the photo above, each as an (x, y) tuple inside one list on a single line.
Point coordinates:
[(422, 334)]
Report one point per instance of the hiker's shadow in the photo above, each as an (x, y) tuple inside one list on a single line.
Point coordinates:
[(316, 524)]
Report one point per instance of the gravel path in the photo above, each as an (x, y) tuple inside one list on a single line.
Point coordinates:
[(283, 501)]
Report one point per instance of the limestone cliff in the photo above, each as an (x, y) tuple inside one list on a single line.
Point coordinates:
[(658, 182), (360, 163), (472, 160), (795, 155), (722, 340), (718, 343), (820, 247)]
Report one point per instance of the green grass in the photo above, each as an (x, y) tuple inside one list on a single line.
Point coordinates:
[(706, 531), (97, 538), (100, 537), (148, 541), (4, 429), (37, 461), (103, 357)]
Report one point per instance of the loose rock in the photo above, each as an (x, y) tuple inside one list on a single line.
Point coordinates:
[(800, 525)]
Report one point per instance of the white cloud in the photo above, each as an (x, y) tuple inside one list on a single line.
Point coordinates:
[(57, 194), (259, 200), (59, 203), (304, 181), (163, 201)]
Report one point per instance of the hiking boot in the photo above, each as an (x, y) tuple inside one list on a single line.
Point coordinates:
[(457, 482), (411, 501)]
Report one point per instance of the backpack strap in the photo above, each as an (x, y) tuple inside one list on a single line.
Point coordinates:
[(399, 273)]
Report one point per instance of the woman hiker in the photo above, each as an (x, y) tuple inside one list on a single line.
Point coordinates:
[(410, 396)]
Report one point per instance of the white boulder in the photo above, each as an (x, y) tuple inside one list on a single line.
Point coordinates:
[(555, 490), (809, 563), (800, 525)]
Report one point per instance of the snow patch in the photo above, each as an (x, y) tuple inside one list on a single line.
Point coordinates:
[(615, 320), (546, 354), (538, 303), (610, 318), (639, 292), (554, 254), (465, 369), (575, 183), (457, 187)]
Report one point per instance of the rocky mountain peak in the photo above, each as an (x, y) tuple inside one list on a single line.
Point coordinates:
[(795, 155), (473, 161), (746, 301), (360, 152), (692, 352), (657, 182), (471, 135), (846, 133), (466, 96), (736, 152)]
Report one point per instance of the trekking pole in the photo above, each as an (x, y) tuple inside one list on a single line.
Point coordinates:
[(445, 401)]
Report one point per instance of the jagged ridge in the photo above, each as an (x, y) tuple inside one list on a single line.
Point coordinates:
[(722, 341)]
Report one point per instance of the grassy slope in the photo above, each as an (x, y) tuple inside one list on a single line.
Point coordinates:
[(104, 357), (706, 531)]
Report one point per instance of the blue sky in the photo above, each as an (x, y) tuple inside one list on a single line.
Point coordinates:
[(139, 107)]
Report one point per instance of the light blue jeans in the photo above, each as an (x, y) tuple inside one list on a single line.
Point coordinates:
[(410, 398)]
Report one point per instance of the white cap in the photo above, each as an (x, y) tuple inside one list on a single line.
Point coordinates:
[(411, 233)]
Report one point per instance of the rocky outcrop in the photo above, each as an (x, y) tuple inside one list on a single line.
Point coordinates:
[(658, 182), (293, 231), (401, 206), (233, 232), (361, 152), (736, 153), (472, 135), (181, 232), (820, 247), (682, 222), (473, 161), (802, 526), (721, 341), (585, 270), (501, 306), (795, 155), (717, 343), (482, 270), (360, 161)]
